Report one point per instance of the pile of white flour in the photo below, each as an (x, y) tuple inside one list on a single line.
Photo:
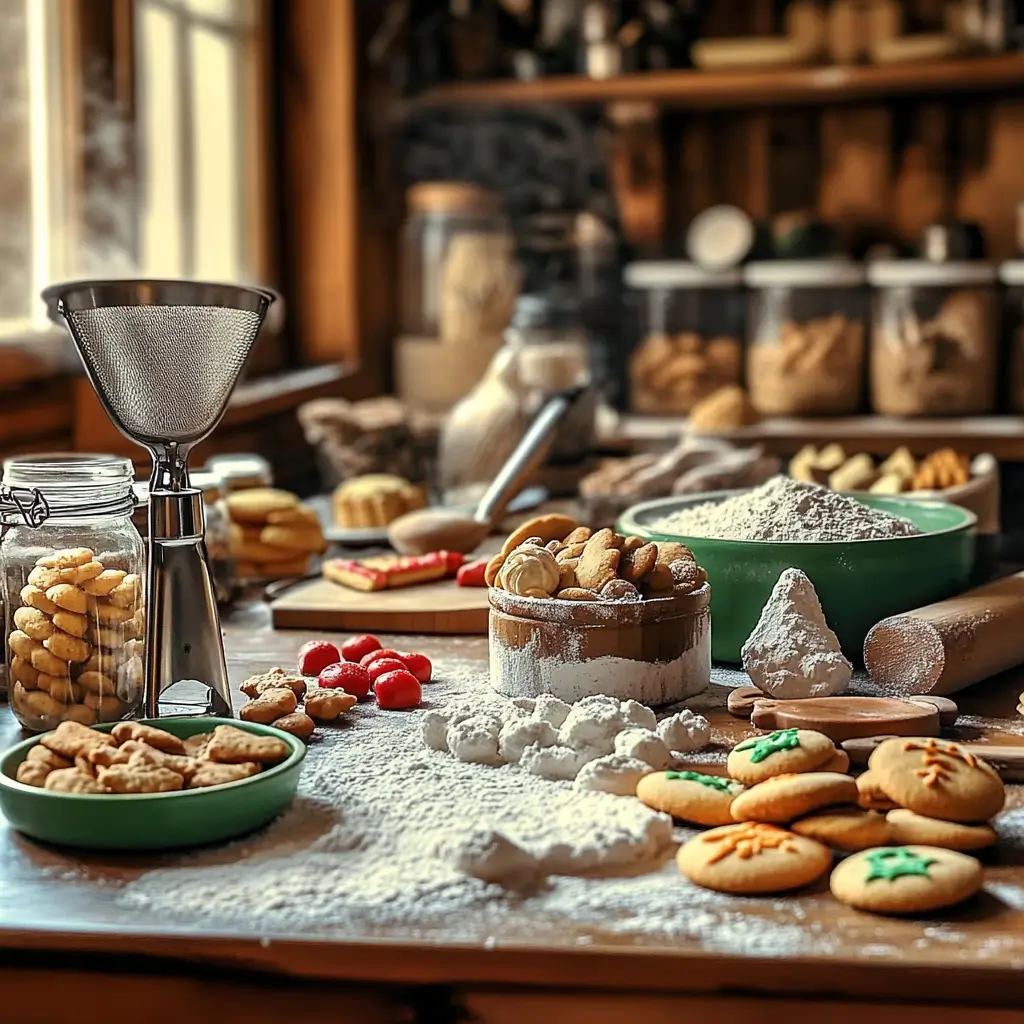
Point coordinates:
[(380, 829), (784, 509)]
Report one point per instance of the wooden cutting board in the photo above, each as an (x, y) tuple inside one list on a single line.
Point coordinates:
[(441, 607)]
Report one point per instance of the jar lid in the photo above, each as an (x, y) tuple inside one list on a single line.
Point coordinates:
[(653, 274), (910, 273), (719, 237), (1012, 273), (241, 470), (451, 197), (825, 273)]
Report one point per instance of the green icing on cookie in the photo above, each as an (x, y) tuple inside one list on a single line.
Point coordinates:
[(764, 746), (711, 781), (895, 863)]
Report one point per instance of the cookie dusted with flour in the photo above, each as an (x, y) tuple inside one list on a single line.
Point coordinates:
[(938, 779), (849, 829), (785, 752), (907, 828), (785, 797), (690, 796), (905, 879), (752, 857)]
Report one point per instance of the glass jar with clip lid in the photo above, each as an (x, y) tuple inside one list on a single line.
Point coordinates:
[(73, 566)]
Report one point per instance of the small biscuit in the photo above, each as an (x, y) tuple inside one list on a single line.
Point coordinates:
[(325, 705), (274, 679), (148, 734), (294, 538), (126, 593), (139, 778), (578, 536), (23, 645), (100, 586), (578, 594), (48, 757), (101, 661), (231, 745), (68, 648), (845, 828), (110, 615), (44, 578), (73, 780), (195, 745), (660, 580), (690, 796), (210, 773), (297, 724), (49, 664), (60, 689), (33, 773), (784, 752), (870, 794), (147, 756), (104, 757), (69, 597), (23, 672), (298, 515), (619, 590), (784, 798), (635, 564), (839, 762), (548, 527), (908, 828), (752, 857), (70, 739), (567, 575), (570, 553), (82, 573), (599, 562), (79, 713), (36, 598), (107, 708), (253, 506), (670, 551), (270, 705), (71, 622), (687, 576), (96, 682), (67, 558), (33, 623), (631, 544), (83, 763), (905, 879), (37, 704)]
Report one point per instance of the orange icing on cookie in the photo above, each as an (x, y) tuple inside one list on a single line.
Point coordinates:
[(934, 769), (749, 840)]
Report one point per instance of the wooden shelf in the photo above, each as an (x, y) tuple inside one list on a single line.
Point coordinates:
[(710, 90), (1001, 436)]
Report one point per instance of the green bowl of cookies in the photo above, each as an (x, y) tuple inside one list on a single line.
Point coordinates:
[(153, 785), (858, 581)]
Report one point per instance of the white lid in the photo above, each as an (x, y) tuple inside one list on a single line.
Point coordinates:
[(652, 274), (908, 273), (719, 237), (823, 273), (1012, 272)]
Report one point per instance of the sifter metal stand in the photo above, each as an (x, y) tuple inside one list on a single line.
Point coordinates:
[(164, 357)]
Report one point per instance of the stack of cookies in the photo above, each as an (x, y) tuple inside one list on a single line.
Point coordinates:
[(553, 556), (76, 645), (272, 534), (938, 798)]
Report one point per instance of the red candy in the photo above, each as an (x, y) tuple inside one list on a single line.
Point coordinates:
[(419, 665), (453, 561), (383, 652), (384, 665), (472, 574), (358, 647), (315, 656), (397, 690), (353, 679)]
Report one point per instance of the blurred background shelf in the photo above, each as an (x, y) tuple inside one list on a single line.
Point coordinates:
[(1001, 436), (709, 90)]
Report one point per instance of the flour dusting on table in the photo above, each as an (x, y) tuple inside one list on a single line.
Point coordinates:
[(375, 836)]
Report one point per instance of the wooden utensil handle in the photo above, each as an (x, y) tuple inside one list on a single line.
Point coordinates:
[(950, 645)]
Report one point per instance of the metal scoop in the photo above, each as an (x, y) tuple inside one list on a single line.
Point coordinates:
[(164, 357)]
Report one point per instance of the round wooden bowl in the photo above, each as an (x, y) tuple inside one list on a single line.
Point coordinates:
[(656, 651)]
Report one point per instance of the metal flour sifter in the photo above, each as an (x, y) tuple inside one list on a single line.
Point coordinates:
[(164, 357)]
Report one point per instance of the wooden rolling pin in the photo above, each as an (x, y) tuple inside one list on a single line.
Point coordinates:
[(950, 645)]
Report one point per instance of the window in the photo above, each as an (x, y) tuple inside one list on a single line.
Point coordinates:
[(166, 177)]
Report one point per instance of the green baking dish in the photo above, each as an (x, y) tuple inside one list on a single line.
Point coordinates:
[(152, 821), (859, 582)]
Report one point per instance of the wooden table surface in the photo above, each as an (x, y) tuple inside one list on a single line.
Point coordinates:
[(59, 920)]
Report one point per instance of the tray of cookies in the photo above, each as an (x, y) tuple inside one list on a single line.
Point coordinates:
[(151, 785)]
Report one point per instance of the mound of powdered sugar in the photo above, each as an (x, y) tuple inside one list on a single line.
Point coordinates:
[(784, 509)]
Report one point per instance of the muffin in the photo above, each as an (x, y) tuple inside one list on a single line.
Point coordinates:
[(375, 500)]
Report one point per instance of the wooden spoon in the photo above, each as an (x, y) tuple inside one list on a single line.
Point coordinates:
[(441, 529)]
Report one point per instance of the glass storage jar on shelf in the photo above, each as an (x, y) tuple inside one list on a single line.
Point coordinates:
[(933, 350), (692, 335), (806, 351), (73, 566)]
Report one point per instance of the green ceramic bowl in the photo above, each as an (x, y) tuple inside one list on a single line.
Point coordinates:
[(157, 821), (859, 582)]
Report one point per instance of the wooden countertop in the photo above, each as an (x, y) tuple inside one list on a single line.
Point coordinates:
[(58, 911)]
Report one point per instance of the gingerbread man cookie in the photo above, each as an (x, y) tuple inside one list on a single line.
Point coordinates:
[(784, 752), (937, 779), (752, 857)]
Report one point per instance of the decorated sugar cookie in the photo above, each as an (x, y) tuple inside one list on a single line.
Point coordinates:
[(908, 827), (905, 879), (849, 829), (938, 779), (752, 857), (870, 794), (785, 797), (690, 796), (783, 752)]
